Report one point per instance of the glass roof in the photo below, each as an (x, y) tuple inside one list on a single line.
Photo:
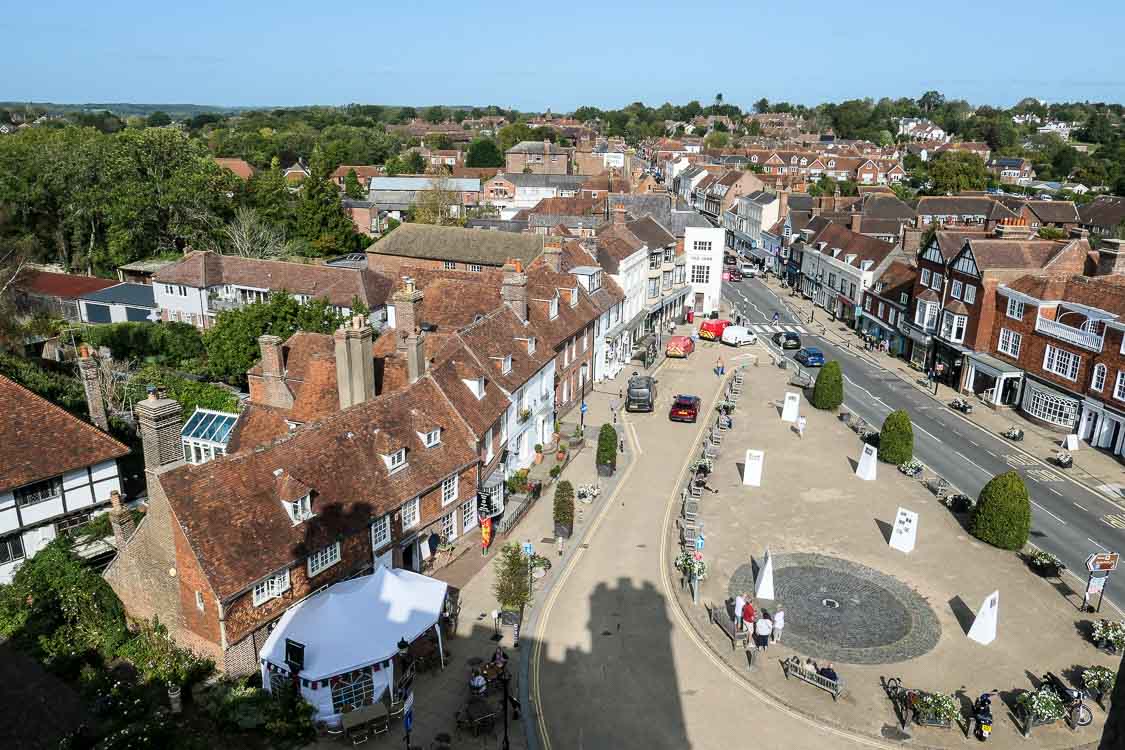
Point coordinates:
[(209, 426)]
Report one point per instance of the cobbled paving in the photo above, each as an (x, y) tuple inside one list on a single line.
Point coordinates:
[(871, 618)]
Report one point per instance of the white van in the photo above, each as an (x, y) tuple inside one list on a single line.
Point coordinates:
[(748, 269), (739, 336)]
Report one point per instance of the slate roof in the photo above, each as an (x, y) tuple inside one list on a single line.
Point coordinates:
[(135, 295), (60, 285), (536, 147), (884, 206), (1103, 211), (1054, 212), (339, 284), (956, 206), (42, 440), (650, 232), (234, 521), (431, 242)]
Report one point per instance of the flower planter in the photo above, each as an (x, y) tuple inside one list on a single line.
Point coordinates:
[(1047, 571), (564, 530), (175, 701), (932, 721), (538, 458)]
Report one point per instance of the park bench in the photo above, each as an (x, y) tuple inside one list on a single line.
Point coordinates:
[(719, 616), (793, 667)]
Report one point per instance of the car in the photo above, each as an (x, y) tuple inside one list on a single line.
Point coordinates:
[(787, 340), (684, 409), (810, 356), (739, 336), (735, 275), (748, 269), (712, 330), (679, 346), (641, 393)]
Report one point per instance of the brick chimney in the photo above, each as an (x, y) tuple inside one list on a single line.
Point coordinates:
[(618, 215), (121, 520), (159, 421), (552, 253), (513, 291), (408, 307), (271, 388), (783, 204), (856, 222), (546, 147), (272, 366), (88, 367), (415, 356), (1111, 257), (355, 363)]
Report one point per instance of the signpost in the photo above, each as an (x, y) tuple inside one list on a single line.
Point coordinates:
[(791, 407), (752, 469), (905, 531), (699, 541), (1099, 565), (865, 469), (983, 630)]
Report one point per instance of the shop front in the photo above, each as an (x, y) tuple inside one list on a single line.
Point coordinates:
[(881, 331), (1102, 426), (845, 310), (917, 344), (948, 361), (995, 381), (1049, 406)]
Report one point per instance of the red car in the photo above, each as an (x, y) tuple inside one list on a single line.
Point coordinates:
[(712, 330), (684, 409)]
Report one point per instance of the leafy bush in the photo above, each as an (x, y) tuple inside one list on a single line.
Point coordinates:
[(896, 439), (607, 446), (517, 483), (190, 393), (234, 704), (1002, 516), (828, 391), (1099, 679), (61, 389), (512, 587), (564, 504), (157, 658), (174, 344)]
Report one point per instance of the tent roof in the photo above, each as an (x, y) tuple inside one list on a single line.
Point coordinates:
[(359, 622)]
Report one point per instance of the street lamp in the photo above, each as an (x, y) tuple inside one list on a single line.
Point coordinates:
[(505, 678)]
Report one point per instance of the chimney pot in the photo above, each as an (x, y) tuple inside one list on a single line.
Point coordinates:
[(88, 369), (159, 421), (121, 520)]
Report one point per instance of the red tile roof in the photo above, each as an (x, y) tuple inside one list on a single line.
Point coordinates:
[(42, 440), (240, 167), (61, 285)]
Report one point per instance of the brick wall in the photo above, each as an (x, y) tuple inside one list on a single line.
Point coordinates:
[(571, 372), (546, 164), (204, 624), (390, 264), (1033, 347)]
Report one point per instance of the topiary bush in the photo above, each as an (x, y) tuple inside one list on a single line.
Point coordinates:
[(1002, 516), (896, 439), (564, 509), (607, 447), (828, 392)]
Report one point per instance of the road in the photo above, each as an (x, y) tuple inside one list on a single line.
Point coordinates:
[(1068, 519)]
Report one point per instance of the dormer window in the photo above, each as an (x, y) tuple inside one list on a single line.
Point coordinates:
[(553, 308), (476, 385), (431, 438), (506, 367), (300, 509), (849, 258), (396, 460), (531, 345), (574, 297), (831, 163)]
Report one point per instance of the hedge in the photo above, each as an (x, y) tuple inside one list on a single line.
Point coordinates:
[(828, 392), (564, 503), (607, 446), (1002, 516), (896, 439)]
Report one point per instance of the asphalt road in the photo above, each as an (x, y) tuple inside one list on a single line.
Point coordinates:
[(1068, 519)]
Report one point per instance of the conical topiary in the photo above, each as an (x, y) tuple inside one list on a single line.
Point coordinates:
[(828, 392), (1002, 516), (896, 439)]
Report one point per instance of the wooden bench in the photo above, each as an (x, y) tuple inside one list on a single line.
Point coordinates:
[(719, 616), (793, 666)]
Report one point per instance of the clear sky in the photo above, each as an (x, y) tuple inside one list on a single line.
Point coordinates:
[(559, 55)]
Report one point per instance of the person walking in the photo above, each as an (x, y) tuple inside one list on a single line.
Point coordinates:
[(720, 368), (748, 616), (776, 317), (778, 624), (763, 628), (739, 604)]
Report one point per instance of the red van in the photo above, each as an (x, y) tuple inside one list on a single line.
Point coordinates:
[(712, 330), (679, 346)]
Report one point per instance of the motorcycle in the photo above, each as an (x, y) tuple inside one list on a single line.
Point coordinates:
[(961, 405), (1078, 713), (587, 492), (982, 715), (1013, 433)]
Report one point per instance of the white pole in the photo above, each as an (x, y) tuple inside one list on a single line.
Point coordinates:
[(440, 648)]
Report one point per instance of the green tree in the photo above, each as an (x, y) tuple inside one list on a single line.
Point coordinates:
[(930, 101), (191, 394), (828, 391), (270, 195), (1002, 516), (716, 140), (607, 446), (483, 152), (512, 587), (414, 163), (158, 119), (957, 171), (754, 129), (896, 439), (321, 219), (563, 510), (434, 115), (352, 188), (762, 106)]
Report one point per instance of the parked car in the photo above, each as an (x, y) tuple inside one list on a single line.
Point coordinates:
[(739, 336), (735, 274), (641, 394), (679, 346), (810, 356), (748, 269), (684, 409), (712, 330), (787, 340)]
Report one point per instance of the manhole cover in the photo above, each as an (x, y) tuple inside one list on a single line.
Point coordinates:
[(830, 603)]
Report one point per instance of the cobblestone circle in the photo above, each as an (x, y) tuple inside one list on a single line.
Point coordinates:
[(878, 620)]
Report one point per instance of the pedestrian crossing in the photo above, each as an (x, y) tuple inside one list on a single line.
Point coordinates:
[(765, 328)]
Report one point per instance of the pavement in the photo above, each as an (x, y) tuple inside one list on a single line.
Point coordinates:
[(1072, 514)]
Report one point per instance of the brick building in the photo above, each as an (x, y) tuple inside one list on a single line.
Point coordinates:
[(537, 157)]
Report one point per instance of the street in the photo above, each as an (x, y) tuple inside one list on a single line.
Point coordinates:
[(1068, 519)]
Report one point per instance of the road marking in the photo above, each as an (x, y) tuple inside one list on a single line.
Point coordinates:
[(1052, 489), (1076, 505), (1015, 459), (636, 439), (1044, 475), (1049, 513), (926, 433), (986, 450), (974, 463), (1103, 549), (1116, 520)]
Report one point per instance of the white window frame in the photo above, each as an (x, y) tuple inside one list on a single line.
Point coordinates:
[(449, 265), (469, 515), (475, 268), (936, 281), (199, 600), (553, 308), (954, 320), (925, 277), (396, 461), (1097, 380), (955, 289), (1119, 386), (1014, 309), (270, 587), (411, 513), (449, 487), (1012, 346), (323, 559), (970, 295), (380, 532), (432, 438), (1061, 362), (448, 525)]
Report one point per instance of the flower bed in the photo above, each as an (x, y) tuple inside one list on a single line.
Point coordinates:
[(1110, 635), (911, 468), (1045, 564), (1040, 707), (935, 709)]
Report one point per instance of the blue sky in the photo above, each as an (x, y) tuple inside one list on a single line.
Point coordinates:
[(559, 55)]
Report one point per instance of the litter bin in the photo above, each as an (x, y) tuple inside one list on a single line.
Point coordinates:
[(691, 316)]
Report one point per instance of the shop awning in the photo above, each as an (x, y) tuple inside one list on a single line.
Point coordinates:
[(993, 366)]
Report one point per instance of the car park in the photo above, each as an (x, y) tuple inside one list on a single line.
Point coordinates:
[(810, 356), (787, 340), (685, 408), (739, 336), (712, 330)]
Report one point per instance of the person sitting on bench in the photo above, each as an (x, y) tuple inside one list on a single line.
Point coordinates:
[(828, 673)]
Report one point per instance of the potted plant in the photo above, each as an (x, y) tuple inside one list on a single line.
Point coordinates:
[(538, 453), (935, 709), (1098, 682), (1045, 564), (1039, 707), (564, 509), (691, 564), (701, 466), (525, 414), (607, 451), (911, 468), (1109, 635), (555, 471), (725, 406), (578, 438), (560, 454), (558, 432)]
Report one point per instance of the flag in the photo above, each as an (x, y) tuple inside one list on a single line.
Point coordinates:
[(408, 712), (485, 533)]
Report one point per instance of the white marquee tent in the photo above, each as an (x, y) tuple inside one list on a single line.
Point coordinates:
[(351, 632)]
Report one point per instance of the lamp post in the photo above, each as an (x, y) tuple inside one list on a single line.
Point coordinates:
[(408, 715), (505, 678)]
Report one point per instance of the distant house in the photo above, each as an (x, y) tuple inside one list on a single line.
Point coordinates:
[(240, 167), (537, 157), (364, 172), (119, 303), (54, 294), (141, 271), (1012, 170), (511, 191), (297, 172), (452, 249), (1103, 216), (396, 195)]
